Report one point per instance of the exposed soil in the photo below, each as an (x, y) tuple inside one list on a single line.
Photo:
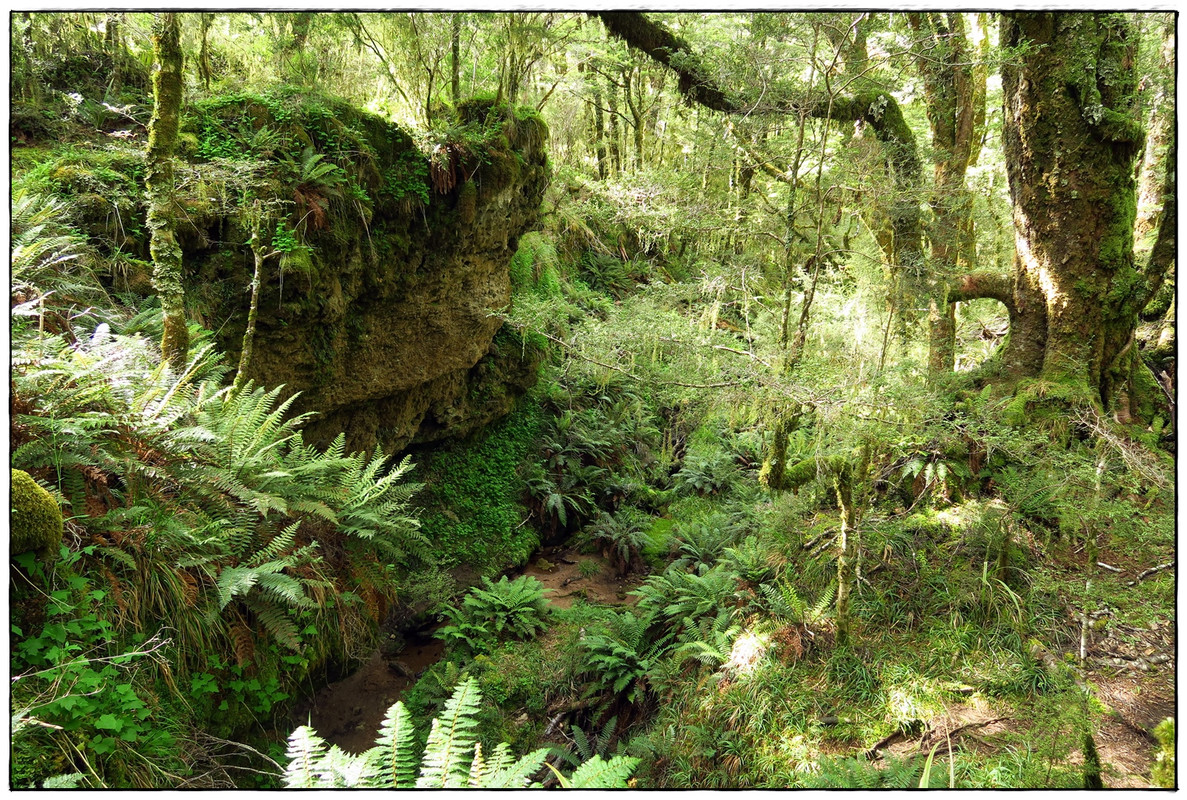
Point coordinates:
[(348, 713), (559, 569)]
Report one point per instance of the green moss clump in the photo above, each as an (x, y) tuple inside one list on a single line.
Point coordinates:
[(36, 518), (535, 267), (476, 517), (1163, 771)]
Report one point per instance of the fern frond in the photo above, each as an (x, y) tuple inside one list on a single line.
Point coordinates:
[(393, 757), (451, 739), (500, 775), (599, 774), (305, 750), (276, 622)]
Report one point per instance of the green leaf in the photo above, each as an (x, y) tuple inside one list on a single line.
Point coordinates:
[(109, 722)]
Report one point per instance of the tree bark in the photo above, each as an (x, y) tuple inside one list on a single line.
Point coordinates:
[(1071, 142), (162, 145)]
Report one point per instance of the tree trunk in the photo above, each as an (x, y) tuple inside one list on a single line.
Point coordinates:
[(1070, 143), (615, 150), (637, 121), (455, 59), (162, 144), (32, 84), (954, 82), (1162, 116), (204, 51), (115, 48), (599, 129), (249, 333)]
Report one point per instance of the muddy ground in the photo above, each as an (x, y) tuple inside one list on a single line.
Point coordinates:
[(348, 713)]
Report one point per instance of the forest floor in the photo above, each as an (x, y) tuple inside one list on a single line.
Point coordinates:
[(348, 712)]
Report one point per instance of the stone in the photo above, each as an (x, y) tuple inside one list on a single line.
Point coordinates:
[(392, 333)]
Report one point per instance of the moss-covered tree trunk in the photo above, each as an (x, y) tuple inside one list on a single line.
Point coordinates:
[(843, 475), (204, 73), (162, 223), (846, 546), (1071, 141), (455, 58), (1159, 131), (954, 83)]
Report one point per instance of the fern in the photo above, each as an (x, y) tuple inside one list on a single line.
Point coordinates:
[(305, 751), (623, 655), (393, 758), (445, 762), (598, 773), (586, 747), (784, 601), (507, 608), (451, 739)]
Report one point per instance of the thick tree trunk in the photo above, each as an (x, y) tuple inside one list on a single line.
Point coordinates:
[(162, 144), (1162, 116), (1071, 142)]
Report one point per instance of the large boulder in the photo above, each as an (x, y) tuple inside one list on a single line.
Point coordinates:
[(36, 518), (387, 324)]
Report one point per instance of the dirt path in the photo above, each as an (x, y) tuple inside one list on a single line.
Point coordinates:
[(348, 713)]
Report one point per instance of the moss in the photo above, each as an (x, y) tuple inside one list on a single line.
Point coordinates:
[(36, 518), (1048, 402), (808, 470), (474, 486)]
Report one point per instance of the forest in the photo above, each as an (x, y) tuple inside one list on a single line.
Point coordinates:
[(622, 399)]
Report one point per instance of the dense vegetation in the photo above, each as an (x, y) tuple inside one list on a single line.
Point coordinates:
[(837, 360)]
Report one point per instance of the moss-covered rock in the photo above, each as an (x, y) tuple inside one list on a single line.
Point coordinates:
[(388, 329), (36, 518)]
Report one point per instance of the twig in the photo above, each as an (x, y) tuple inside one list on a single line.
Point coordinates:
[(1103, 565), (1153, 570)]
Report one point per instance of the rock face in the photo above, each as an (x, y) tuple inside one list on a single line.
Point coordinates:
[(388, 323)]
